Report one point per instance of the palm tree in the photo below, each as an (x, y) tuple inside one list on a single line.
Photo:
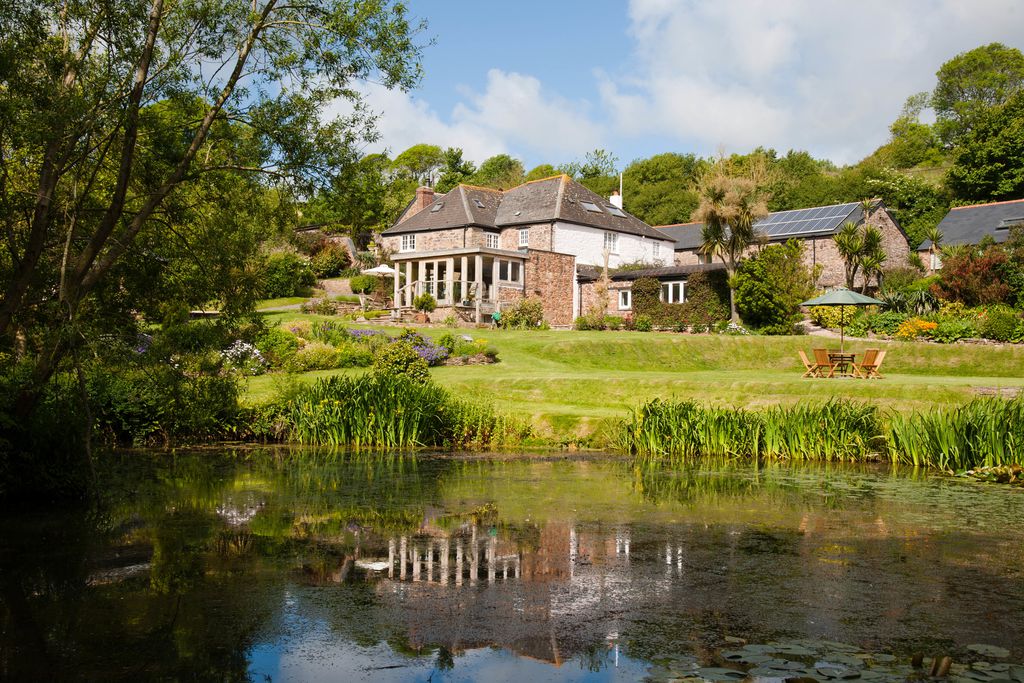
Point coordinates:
[(729, 208), (850, 244), (934, 235)]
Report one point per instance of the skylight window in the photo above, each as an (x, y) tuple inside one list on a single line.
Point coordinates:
[(615, 211), (590, 206), (479, 204), (437, 207), (1007, 223)]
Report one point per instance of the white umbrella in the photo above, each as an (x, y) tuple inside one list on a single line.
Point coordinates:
[(383, 270)]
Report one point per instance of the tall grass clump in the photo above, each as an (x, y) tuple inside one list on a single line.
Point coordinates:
[(379, 410), (987, 432), (836, 430)]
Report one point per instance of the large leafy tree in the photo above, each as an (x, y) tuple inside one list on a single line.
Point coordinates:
[(987, 163), (500, 171), (115, 114), (455, 170), (861, 249), (770, 286), (729, 207), (420, 163), (660, 190), (972, 83)]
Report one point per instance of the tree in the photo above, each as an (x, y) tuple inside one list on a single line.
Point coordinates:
[(972, 83), (918, 205), (934, 235), (861, 250), (420, 163), (541, 171), (850, 244), (911, 142), (595, 164), (455, 170), (729, 207), (770, 286), (986, 164), (660, 190), (104, 147), (500, 171)]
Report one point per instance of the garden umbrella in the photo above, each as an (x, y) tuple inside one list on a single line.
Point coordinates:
[(841, 297), (383, 270)]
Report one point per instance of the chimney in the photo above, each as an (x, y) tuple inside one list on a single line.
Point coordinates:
[(424, 198), (615, 199)]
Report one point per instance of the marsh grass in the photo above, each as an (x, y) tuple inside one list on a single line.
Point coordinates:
[(984, 432), (392, 411)]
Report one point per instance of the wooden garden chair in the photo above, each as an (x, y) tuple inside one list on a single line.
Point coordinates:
[(872, 369), (859, 369), (823, 362), (813, 369)]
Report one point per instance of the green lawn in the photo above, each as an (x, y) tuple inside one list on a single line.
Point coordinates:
[(569, 383)]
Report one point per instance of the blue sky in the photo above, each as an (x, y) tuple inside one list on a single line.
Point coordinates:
[(549, 81)]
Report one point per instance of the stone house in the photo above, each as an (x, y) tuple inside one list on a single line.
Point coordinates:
[(477, 249), (815, 227), (972, 224)]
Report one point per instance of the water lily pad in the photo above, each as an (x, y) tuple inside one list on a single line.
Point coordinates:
[(883, 658), (1017, 673), (989, 650), (719, 675)]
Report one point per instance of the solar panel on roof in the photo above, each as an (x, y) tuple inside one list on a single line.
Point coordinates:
[(804, 221)]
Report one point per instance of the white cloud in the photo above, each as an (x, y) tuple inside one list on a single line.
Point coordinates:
[(805, 74), (514, 115)]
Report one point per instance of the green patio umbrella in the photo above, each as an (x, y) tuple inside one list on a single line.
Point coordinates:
[(841, 297)]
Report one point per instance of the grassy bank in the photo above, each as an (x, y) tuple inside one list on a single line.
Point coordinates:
[(570, 384)]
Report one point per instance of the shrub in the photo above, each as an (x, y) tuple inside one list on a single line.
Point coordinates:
[(612, 322), (973, 276), (314, 356), (400, 358), (830, 317), (286, 273), (770, 286), (886, 323), (451, 321), (899, 279), (352, 355), (589, 321), (245, 357), (952, 330), (363, 284), (912, 328), (329, 260), (643, 324), (646, 294), (319, 306), (425, 303), (277, 346), (330, 332), (525, 314), (999, 323)]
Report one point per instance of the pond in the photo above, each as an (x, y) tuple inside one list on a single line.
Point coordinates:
[(302, 565)]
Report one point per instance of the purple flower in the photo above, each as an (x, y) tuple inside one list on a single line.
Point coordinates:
[(434, 355)]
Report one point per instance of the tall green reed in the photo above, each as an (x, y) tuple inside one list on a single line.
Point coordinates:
[(393, 411)]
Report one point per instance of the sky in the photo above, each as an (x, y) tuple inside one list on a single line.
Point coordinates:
[(546, 82)]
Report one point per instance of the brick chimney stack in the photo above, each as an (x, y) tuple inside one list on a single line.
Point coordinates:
[(424, 198)]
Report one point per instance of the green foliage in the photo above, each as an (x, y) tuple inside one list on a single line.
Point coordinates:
[(419, 163), (707, 302), (836, 430), (401, 359), (973, 82), (286, 273), (329, 260), (589, 322), (986, 164), (770, 286), (999, 323), (916, 204), (886, 323), (425, 303), (643, 323), (381, 410), (951, 330), (597, 163), (319, 306), (525, 314), (661, 188), (363, 284), (540, 172), (454, 171), (974, 276), (314, 356), (277, 346), (500, 171), (985, 432), (830, 317)]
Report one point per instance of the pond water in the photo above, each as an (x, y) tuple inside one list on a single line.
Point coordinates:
[(288, 565)]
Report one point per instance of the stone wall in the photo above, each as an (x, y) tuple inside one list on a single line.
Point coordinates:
[(551, 277), (687, 258), (436, 239), (540, 237)]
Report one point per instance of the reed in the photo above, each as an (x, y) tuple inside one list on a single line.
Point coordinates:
[(836, 430), (393, 411), (987, 432)]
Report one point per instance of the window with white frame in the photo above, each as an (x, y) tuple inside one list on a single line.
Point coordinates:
[(491, 240), (936, 261), (625, 299), (611, 242), (509, 270), (408, 242), (524, 237), (656, 250), (673, 292), (703, 258)]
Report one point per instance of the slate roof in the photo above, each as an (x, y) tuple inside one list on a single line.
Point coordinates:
[(593, 273), (779, 225), (558, 198), (969, 224)]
